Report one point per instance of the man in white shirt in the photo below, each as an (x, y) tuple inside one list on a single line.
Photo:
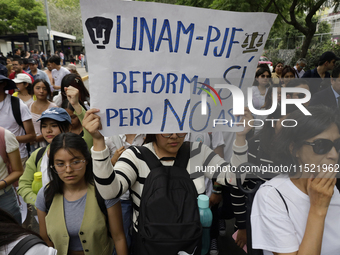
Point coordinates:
[(300, 65), (36, 73), (25, 133), (58, 72)]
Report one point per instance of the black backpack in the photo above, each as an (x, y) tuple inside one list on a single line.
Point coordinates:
[(15, 102), (169, 221)]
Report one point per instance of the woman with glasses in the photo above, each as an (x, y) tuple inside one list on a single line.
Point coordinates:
[(298, 212), (53, 121), (260, 87), (131, 169), (69, 212)]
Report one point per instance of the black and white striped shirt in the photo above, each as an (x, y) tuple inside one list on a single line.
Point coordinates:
[(238, 198), (131, 171)]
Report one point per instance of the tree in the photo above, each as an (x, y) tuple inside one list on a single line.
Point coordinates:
[(18, 16), (288, 11), (65, 16), (308, 28)]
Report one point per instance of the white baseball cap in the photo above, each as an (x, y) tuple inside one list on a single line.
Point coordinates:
[(22, 77)]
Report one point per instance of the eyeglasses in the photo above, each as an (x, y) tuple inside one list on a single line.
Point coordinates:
[(265, 76), (76, 165), (323, 146), (180, 135)]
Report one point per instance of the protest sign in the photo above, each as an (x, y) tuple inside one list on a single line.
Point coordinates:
[(150, 63)]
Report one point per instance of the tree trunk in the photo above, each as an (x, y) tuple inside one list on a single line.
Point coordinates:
[(307, 41)]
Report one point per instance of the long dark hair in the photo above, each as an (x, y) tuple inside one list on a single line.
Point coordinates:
[(268, 100), (150, 138), (290, 140), (49, 93), (29, 88), (10, 230), (75, 80), (258, 73), (65, 104), (288, 69), (67, 141)]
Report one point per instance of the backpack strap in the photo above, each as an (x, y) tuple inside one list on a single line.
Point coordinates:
[(25, 244), (102, 207), (101, 203), (39, 155), (150, 159), (15, 102), (16, 110), (183, 155), (153, 162)]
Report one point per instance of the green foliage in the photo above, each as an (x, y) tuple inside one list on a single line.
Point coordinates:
[(272, 55), (65, 16), (316, 48), (20, 16), (65, 3)]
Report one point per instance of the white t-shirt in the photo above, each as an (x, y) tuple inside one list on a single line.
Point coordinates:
[(34, 250), (299, 74), (59, 75), (274, 230), (110, 142), (11, 145), (258, 99), (44, 169), (215, 141), (8, 122), (229, 138)]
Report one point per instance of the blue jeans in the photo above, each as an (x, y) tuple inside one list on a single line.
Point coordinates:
[(9, 203), (127, 219)]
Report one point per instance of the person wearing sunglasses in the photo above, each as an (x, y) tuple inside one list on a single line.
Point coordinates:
[(70, 215), (298, 212), (260, 87)]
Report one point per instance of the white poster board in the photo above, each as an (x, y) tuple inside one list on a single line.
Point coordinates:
[(146, 60)]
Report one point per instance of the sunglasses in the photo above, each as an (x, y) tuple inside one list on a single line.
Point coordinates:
[(180, 135), (323, 146)]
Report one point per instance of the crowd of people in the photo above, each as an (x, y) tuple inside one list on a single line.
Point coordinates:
[(99, 192)]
